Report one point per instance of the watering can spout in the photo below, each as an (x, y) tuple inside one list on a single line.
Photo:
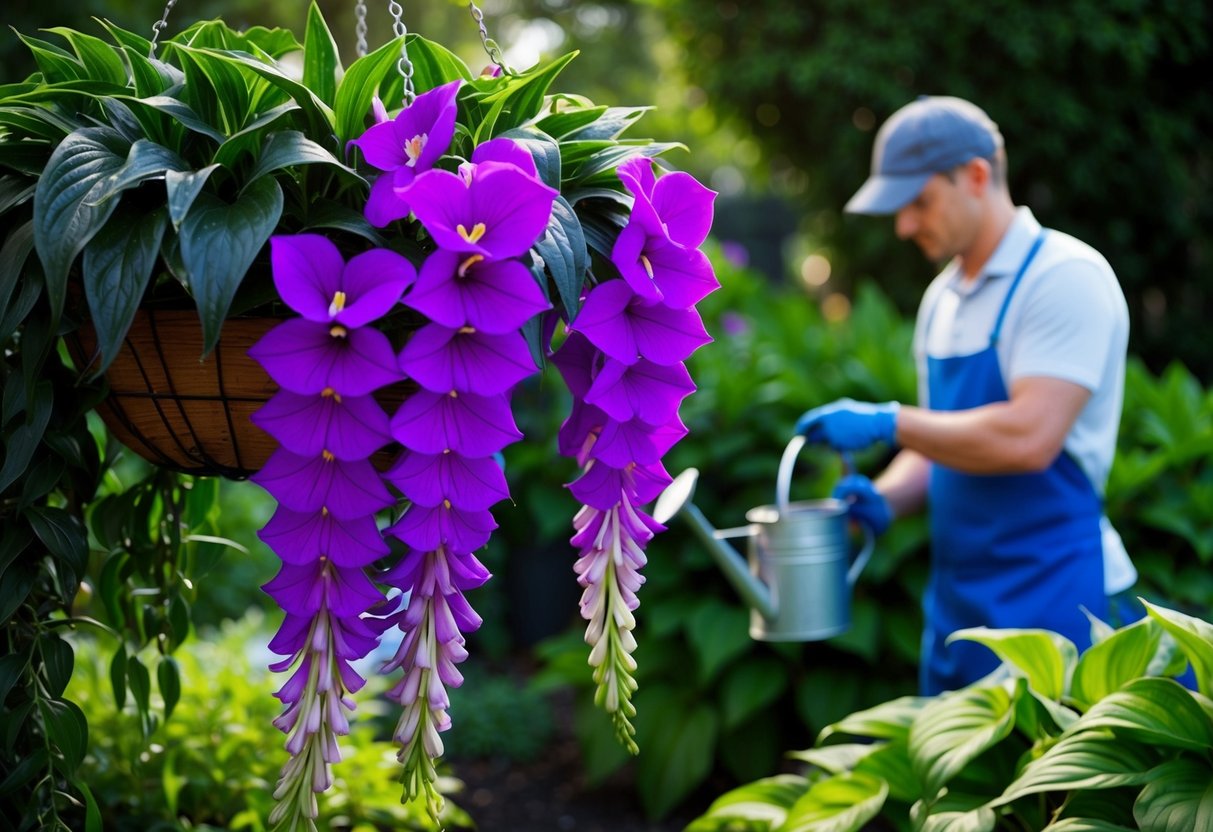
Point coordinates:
[(676, 500)]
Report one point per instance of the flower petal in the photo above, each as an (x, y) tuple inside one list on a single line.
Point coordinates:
[(305, 357), (385, 205), (428, 479), (506, 150), (347, 488), (427, 528), (621, 443), (373, 282), (300, 537), (684, 276), (644, 390), (442, 359), (465, 423), (307, 271), (455, 288), (350, 427), (685, 207)]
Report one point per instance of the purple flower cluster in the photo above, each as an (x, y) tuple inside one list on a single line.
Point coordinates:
[(328, 362), (623, 362)]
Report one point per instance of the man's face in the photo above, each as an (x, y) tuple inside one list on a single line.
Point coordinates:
[(942, 221)]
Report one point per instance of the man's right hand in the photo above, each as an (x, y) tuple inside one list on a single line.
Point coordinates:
[(865, 504)]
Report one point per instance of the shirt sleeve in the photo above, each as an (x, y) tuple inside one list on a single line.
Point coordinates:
[(1067, 326)]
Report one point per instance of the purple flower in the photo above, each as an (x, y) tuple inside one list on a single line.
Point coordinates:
[(442, 359), (456, 288), (302, 537), (351, 427), (644, 390), (346, 488), (603, 487), (305, 589), (469, 424), (314, 280), (578, 362), (676, 200), (660, 270), (508, 151), (617, 321), (580, 430), (307, 357), (406, 147), (496, 210), (622, 443), (428, 479), (457, 529)]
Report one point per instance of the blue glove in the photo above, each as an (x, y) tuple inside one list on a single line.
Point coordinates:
[(865, 504), (848, 425)]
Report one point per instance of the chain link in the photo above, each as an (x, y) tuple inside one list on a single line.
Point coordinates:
[(490, 46), (404, 65), (160, 25), (360, 28)]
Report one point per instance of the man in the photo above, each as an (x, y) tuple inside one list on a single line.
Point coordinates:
[(1020, 344)]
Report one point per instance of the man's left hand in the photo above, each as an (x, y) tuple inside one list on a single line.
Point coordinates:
[(848, 425)]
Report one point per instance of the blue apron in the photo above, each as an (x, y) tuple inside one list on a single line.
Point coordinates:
[(1017, 550)]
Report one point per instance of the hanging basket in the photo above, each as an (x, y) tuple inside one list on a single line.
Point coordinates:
[(177, 409)]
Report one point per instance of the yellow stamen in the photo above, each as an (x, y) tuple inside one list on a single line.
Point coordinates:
[(338, 303), (413, 148), (648, 267), (468, 263), (454, 394), (338, 331), (474, 235), (330, 393), (446, 450), (324, 511), (446, 503), (328, 455), (467, 330)]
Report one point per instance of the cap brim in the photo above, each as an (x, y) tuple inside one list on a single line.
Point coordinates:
[(886, 194)]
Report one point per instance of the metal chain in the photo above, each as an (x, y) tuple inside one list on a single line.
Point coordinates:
[(360, 28), (404, 65), (160, 25), (490, 46)]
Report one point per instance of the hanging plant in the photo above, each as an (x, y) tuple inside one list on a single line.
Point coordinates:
[(422, 241)]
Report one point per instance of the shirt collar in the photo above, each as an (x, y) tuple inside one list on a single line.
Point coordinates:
[(1007, 257)]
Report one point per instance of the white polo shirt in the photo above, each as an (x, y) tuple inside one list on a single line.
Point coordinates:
[(1067, 319)]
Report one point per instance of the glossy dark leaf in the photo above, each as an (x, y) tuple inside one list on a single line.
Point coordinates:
[(289, 147), (321, 64), (145, 160), (543, 150), (118, 676), (15, 586), (182, 188), (564, 253), (168, 676), (100, 60), (63, 535), (67, 728), (58, 658), (140, 683), (12, 668), (22, 443)]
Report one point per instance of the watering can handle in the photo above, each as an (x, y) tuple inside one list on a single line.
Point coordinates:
[(783, 481)]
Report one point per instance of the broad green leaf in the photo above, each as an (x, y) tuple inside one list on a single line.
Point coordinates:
[(23, 441), (179, 112), (679, 742), (63, 535), (599, 169), (100, 60), (1109, 664), (13, 255), (118, 676), (543, 149), (151, 77), (289, 147), (609, 125), (168, 676), (118, 265), (145, 160), (1178, 798), (140, 683), (248, 140), (58, 659), (218, 244), (216, 86), (433, 64), (562, 122), (749, 686), (888, 721), (837, 804), (955, 729), (12, 667), (1089, 760), (981, 819), (321, 65), (1195, 638), (891, 763), (56, 64), (318, 114), (563, 250), (92, 812), (1154, 711), (521, 97), (15, 586), (25, 770), (330, 214), (1044, 658), (352, 104), (718, 633), (1086, 825), (764, 801), (182, 188), (64, 217), (836, 759), (67, 728), (125, 38)]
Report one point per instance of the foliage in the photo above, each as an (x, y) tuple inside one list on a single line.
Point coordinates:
[(1124, 166), (207, 766), (1102, 741)]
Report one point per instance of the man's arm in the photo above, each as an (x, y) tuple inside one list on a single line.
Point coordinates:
[(1022, 435), (904, 483)]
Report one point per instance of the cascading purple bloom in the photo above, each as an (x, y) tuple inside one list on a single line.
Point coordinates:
[(406, 147)]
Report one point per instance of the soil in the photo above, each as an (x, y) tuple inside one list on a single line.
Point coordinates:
[(550, 793)]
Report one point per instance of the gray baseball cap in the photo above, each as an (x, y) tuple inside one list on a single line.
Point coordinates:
[(932, 135)]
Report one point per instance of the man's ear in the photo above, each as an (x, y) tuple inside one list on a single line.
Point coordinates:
[(978, 175)]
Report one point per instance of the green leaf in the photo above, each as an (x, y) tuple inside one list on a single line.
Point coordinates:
[(151, 76), (216, 87), (564, 254), (562, 121), (611, 124), (65, 218), (56, 65), (183, 188), (718, 633), (955, 729), (887, 721), (837, 804), (1090, 760), (1086, 825), (981, 819), (218, 245), (92, 812), (12, 668), (679, 739), (179, 112), (248, 140), (1109, 664), (290, 147), (140, 683), (62, 533), (543, 150), (118, 676), (100, 60), (168, 676), (58, 658), (352, 104), (1195, 638), (521, 97), (749, 686), (836, 759), (1154, 711), (891, 763), (1044, 657), (1178, 798), (118, 265), (146, 160), (13, 256), (15, 586), (433, 64), (763, 801), (321, 64), (24, 771), (67, 728)]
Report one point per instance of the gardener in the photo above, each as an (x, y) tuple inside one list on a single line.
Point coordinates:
[(1020, 345)]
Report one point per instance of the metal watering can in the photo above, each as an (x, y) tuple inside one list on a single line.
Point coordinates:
[(800, 574)]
